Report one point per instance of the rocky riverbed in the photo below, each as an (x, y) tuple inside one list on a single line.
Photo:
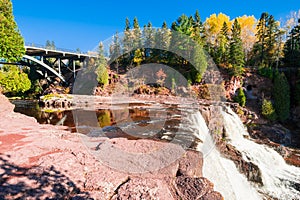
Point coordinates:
[(45, 161)]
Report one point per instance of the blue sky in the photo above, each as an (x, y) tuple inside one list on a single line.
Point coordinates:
[(75, 24)]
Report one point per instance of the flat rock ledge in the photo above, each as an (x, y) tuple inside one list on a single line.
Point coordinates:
[(48, 162)]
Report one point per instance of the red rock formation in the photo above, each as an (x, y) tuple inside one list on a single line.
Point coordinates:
[(44, 161)]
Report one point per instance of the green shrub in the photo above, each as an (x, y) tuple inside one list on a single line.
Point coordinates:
[(102, 75), (281, 95), (266, 72), (240, 98), (268, 110), (297, 92), (13, 80)]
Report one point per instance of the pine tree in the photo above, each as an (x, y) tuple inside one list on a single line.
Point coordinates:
[(198, 29), (272, 40), (223, 46), (292, 48), (48, 44), (265, 50), (199, 62), (149, 39), (181, 43), (115, 52), (101, 71), (193, 61), (240, 98), (136, 34), (11, 42), (163, 37), (297, 91), (236, 57), (127, 24), (127, 44), (281, 95), (268, 110), (260, 45), (162, 44), (137, 54)]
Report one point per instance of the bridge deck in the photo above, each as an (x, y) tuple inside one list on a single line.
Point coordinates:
[(39, 51)]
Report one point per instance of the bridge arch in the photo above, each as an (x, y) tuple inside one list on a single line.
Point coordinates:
[(45, 65)]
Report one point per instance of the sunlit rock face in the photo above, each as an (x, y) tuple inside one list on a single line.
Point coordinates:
[(45, 161)]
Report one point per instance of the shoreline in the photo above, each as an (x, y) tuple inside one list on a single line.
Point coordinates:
[(51, 162)]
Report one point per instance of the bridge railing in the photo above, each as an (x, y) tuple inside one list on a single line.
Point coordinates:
[(31, 44)]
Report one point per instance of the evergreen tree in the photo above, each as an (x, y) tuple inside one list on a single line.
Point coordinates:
[(136, 34), (149, 39), (272, 40), (137, 54), (241, 97), (198, 29), (236, 57), (297, 92), (265, 50), (199, 62), (260, 45), (127, 24), (11, 42), (115, 52), (292, 48), (127, 44), (48, 44), (53, 45), (268, 110), (181, 43), (162, 44), (281, 95), (223, 46), (101, 71), (193, 62)]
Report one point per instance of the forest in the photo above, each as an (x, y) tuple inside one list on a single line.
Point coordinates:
[(189, 45), (264, 46)]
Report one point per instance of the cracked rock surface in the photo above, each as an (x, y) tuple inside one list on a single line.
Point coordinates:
[(48, 162)]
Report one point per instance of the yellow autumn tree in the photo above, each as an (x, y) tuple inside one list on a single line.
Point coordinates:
[(213, 25), (248, 31)]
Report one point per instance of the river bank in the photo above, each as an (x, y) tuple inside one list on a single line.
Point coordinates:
[(45, 161)]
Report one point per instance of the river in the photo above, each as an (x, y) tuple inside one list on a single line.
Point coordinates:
[(187, 127)]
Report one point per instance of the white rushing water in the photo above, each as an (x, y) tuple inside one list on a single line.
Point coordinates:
[(278, 178), (221, 171)]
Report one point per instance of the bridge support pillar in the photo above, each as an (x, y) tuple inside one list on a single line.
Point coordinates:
[(74, 69), (59, 66)]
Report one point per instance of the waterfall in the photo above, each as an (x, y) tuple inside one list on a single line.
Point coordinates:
[(280, 180), (221, 171)]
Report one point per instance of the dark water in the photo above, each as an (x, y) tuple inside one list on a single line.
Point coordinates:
[(140, 120)]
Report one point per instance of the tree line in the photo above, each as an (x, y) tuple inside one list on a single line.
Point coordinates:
[(263, 44)]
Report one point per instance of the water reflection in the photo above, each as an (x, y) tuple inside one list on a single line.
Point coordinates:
[(135, 120)]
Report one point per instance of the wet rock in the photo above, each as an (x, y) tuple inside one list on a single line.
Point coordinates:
[(138, 188), (195, 188), (191, 164)]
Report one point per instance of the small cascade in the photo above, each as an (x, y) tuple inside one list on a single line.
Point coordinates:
[(280, 180), (221, 171)]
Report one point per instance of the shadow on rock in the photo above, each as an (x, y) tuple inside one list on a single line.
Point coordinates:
[(17, 182)]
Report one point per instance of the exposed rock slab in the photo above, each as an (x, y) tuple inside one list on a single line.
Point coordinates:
[(44, 161)]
